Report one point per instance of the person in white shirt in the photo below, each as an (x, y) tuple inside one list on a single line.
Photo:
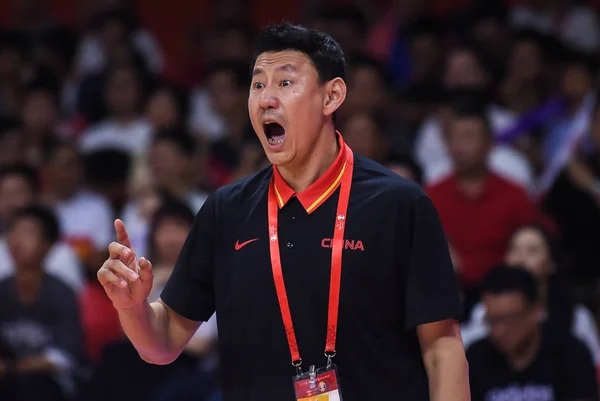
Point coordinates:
[(125, 128), (85, 217), (536, 250)]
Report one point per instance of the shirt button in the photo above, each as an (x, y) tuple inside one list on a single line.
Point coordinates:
[(290, 245)]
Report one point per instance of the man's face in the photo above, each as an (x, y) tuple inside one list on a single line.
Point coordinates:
[(511, 319), (226, 96), (576, 82), (286, 105), (361, 133), (122, 92), (464, 71), (468, 143), (367, 91), (66, 170), (528, 249), (26, 242), (15, 193), (167, 163)]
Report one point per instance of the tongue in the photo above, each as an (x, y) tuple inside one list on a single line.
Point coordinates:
[(277, 137)]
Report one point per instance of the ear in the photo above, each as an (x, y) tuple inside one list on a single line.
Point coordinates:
[(334, 96)]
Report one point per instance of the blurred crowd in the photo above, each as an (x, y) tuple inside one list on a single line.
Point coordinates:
[(490, 106)]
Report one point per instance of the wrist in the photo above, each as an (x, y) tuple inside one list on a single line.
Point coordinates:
[(134, 309)]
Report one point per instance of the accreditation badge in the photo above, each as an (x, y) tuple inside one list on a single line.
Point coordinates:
[(318, 385)]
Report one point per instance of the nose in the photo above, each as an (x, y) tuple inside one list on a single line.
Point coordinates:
[(268, 100)]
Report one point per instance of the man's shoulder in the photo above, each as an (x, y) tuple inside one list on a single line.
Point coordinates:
[(378, 179)]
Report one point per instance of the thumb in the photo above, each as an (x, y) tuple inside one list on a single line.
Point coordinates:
[(145, 271)]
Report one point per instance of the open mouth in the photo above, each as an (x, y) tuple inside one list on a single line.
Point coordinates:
[(275, 133)]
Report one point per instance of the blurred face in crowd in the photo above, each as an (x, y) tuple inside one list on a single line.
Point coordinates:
[(112, 33), (27, 243), (362, 134), (12, 149), (168, 164), (288, 104), (463, 70), (528, 248), (366, 90), (40, 112), (163, 110), (425, 54), (468, 144), (576, 82), (15, 193), (227, 97), (65, 171), (169, 238), (525, 62), (123, 93), (511, 319)]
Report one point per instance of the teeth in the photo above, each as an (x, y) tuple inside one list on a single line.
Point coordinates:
[(273, 141)]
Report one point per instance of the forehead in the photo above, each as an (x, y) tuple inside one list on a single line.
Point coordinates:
[(505, 302), (285, 60)]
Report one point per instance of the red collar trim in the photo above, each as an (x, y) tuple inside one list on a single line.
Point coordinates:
[(316, 194)]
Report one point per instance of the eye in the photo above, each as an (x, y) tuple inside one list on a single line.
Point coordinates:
[(258, 85), (285, 82)]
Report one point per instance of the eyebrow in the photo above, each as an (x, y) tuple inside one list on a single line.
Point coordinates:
[(286, 67)]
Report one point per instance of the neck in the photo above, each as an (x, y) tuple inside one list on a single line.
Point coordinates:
[(472, 181), (301, 175), (524, 355)]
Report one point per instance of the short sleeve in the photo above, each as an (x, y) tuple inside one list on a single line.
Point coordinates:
[(190, 289), (580, 373), (431, 285)]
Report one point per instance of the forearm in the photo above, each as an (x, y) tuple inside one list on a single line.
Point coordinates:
[(147, 327), (448, 374)]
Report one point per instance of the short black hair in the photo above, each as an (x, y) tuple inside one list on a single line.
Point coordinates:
[(171, 207), (503, 279), (179, 137), (52, 145), (237, 68), (324, 52), (179, 93), (23, 171), (424, 27), (45, 217), (405, 159), (472, 105)]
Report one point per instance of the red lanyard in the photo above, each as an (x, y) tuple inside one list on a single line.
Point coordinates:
[(336, 265)]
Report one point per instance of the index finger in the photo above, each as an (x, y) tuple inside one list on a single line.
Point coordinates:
[(122, 235)]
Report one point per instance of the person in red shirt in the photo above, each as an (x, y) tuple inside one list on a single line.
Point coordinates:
[(479, 210)]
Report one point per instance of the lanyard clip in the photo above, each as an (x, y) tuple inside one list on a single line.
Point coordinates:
[(297, 364), (312, 374), (329, 355)]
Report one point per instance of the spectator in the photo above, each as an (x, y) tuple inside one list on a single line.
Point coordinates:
[(85, 218), (362, 132), (519, 360), (572, 20), (574, 202), (39, 318), (12, 143), (347, 25), (479, 209), (425, 50), (125, 129), (168, 106), (533, 249), (19, 188), (404, 165)]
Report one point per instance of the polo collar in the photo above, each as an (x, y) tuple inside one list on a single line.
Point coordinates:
[(319, 191)]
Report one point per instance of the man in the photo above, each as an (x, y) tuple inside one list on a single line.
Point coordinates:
[(479, 209), (519, 361), (287, 225), (39, 318)]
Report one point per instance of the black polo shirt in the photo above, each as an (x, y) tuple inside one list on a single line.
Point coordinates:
[(396, 275)]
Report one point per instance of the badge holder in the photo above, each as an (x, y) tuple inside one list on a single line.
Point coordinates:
[(317, 384)]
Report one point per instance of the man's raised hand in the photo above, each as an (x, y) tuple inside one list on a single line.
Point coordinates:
[(126, 280)]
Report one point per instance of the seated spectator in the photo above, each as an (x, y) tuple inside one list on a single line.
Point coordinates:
[(85, 217), (535, 250), (125, 128), (479, 209), (519, 360), (39, 318), (167, 106), (405, 166), (19, 188), (363, 133)]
